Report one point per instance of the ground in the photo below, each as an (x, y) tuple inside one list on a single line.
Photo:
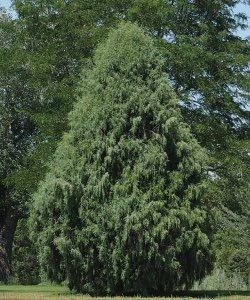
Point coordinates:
[(48, 292)]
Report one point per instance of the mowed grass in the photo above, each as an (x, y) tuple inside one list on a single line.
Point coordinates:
[(52, 292)]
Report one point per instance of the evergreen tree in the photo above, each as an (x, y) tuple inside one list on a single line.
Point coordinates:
[(123, 210)]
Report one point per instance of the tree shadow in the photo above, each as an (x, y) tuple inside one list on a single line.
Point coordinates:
[(210, 294)]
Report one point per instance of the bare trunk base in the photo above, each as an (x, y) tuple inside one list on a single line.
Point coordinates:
[(7, 231), (4, 265)]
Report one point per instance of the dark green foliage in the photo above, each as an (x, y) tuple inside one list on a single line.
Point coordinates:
[(232, 193), (16, 129), (122, 210), (25, 265), (4, 265)]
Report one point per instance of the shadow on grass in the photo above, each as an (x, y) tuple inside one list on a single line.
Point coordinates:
[(211, 294)]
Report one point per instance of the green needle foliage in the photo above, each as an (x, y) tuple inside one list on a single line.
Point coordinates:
[(122, 210)]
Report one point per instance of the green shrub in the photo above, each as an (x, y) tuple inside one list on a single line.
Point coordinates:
[(219, 280)]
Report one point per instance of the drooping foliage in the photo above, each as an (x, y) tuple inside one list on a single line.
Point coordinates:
[(123, 210)]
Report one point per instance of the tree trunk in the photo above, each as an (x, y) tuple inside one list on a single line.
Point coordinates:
[(7, 230)]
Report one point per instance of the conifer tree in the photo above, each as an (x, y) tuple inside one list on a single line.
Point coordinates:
[(123, 210)]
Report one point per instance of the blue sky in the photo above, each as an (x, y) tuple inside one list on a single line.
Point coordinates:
[(240, 8)]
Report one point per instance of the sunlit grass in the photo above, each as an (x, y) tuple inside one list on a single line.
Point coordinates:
[(53, 292)]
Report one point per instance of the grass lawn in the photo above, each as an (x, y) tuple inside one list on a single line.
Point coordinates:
[(47, 292)]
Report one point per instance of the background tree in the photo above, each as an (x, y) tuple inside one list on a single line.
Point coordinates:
[(25, 265), (206, 61), (232, 193), (122, 209), (15, 132)]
